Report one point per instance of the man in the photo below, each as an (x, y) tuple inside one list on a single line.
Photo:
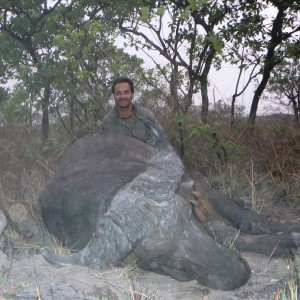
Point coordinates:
[(129, 119)]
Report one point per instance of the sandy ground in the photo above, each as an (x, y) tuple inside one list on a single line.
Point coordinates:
[(24, 275), (30, 277)]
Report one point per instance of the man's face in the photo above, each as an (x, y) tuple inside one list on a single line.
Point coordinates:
[(123, 95)]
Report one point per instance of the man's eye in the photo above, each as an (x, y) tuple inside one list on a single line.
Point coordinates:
[(125, 93)]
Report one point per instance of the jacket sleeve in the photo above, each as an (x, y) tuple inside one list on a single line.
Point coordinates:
[(158, 135), (103, 127)]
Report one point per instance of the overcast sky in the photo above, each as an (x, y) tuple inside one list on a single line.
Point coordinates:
[(222, 84)]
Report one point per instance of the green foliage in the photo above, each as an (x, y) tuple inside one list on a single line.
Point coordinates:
[(284, 85), (197, 4), (216, 41), (16, 109), (4, 95), (145, 14), (8, 61), (160, 11), (202, 129), (293, 49), (224, 150)]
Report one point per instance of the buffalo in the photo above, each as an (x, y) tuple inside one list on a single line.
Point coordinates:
[(116, 199)]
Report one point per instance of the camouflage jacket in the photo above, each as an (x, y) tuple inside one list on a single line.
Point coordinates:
[(141, 125)]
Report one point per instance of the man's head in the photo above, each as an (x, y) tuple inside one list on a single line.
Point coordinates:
[(123, 92), (122, 80)]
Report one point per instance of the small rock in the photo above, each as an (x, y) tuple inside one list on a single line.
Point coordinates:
[(3, 221), (18, 213)]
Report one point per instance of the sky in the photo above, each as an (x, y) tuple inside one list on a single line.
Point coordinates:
[(222, 85)]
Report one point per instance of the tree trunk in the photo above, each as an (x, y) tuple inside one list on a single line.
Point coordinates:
[(45, 111), (204, 96), (176, 111), (71, 115), (204, 83), (296, 112), (269, 64), (232, 111), (257, 95)]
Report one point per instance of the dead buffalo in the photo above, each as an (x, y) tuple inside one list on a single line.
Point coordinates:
[(116, 198)]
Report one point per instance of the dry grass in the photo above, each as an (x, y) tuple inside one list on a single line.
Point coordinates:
[(25, 168), (292, 288), (264, 167)]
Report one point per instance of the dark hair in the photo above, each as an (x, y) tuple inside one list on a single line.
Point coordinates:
[(121, 80)]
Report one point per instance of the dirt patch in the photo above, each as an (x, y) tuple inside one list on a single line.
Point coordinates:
[(30, 277)]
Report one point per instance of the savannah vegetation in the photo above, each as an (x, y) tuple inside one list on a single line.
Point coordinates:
[(59, 57)]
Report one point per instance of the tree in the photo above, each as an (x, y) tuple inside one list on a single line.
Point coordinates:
[(27, 24), (245, 63), (285, 84), (88, 62), (284, 20), (251, 27)]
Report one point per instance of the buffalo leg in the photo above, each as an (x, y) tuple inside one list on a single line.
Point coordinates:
[(210, 204), (279, 244)]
